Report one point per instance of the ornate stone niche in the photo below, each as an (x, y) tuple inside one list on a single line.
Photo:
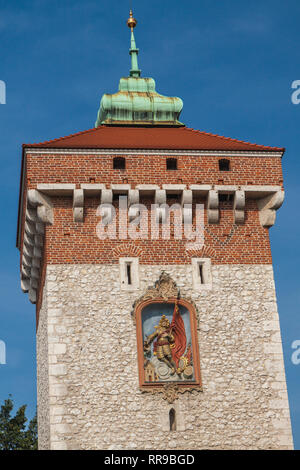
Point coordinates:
[(167, 343)]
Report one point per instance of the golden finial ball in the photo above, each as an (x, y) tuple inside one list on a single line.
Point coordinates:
[(131, 22)]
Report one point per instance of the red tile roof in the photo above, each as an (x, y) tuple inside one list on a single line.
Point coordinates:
[(176, 138)]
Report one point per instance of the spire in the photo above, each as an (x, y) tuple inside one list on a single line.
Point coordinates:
[(133, 51), (137, 101)]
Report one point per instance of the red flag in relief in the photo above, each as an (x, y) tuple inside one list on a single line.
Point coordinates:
[(178, 331)]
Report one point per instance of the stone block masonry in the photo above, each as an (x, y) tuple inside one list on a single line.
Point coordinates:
[(88, 391)]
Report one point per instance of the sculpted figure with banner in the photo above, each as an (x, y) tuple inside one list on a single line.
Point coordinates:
[(170, 343)]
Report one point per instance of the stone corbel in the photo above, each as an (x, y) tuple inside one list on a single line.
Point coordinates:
[(174, 188), (78, 204), (213, 207), (39, 212), (239, 207), (268, 206), (133, 199), (42, 205), (106, 196), (160, 198), (187, 200)]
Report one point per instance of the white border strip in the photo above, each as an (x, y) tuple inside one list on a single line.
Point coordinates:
[(43, 151)]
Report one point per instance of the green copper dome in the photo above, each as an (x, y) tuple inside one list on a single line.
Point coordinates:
[(137, 102)]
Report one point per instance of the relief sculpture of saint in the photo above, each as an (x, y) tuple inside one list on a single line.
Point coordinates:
[(167, 357)]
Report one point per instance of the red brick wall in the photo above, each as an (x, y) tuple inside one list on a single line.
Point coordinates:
[(71, 242), (143, 169)]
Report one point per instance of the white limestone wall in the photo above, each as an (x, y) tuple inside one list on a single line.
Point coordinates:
[(91, 363), (43, 408)]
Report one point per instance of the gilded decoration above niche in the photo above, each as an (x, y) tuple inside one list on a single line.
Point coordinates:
[(165, 288)]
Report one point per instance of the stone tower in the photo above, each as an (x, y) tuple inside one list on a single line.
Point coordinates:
[(145, 339)]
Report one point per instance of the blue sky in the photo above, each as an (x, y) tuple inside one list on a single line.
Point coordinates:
[(232, 63)]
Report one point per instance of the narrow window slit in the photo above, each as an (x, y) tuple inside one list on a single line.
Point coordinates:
[(201, 273), (172, 419), (128, 272)]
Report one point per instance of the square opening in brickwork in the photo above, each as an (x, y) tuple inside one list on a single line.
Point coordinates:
[(171, 163), (224, 164), (119, 163)]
